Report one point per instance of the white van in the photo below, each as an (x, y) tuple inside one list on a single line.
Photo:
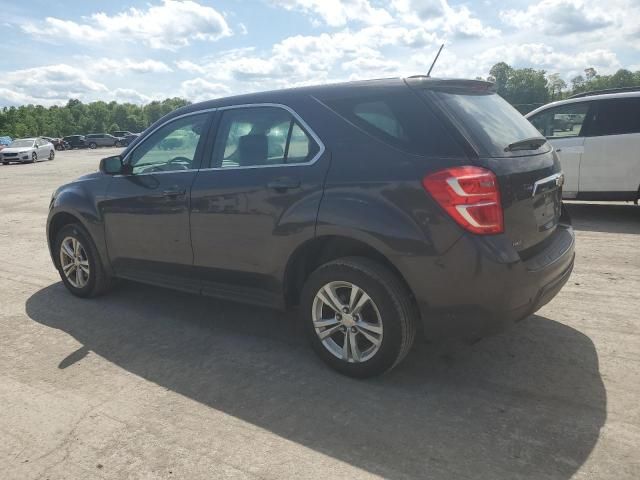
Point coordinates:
[(597, 137)]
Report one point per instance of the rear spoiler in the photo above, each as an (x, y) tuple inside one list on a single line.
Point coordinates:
[(452, 85)]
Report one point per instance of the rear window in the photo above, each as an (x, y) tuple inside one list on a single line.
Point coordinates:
[(399, 119), (487, 119)]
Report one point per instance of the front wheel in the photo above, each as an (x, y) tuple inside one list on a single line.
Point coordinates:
[(52, 155), (359, 316), (93, 146), (34, 157), (78, 262)]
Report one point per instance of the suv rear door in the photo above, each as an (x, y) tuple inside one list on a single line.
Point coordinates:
[(611, 159), (257, 201)]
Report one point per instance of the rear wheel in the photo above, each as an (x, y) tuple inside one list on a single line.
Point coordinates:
[(92, 146), (78, 262), (359, 316), (118, 144)]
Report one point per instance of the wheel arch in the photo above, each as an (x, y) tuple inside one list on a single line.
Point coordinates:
[(56, 223), (320, 250)]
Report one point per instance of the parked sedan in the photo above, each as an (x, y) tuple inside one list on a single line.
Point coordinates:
[(28, 150)]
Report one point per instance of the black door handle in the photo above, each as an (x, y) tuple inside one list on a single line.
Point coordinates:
[(283, 184), (174, 192)]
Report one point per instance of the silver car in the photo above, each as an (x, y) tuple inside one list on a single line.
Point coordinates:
[(27, 150)]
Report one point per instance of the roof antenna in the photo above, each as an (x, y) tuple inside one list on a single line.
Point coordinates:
[(435, 60)]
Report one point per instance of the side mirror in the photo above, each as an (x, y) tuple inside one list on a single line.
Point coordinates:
[(112, 165)]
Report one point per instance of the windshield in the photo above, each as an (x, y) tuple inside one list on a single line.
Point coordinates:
[(22, 143), (488, 120)]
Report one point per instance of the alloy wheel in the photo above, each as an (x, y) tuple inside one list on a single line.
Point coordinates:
[(74, 262), (347, 321)]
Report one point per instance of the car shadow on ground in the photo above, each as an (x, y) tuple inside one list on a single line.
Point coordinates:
[(600, 217), (525, 404)]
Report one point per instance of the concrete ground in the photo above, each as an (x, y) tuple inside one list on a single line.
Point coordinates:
[(149, 383)]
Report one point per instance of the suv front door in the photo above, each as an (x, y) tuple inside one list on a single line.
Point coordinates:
[(258, 201), (564, 128), (146, 215)]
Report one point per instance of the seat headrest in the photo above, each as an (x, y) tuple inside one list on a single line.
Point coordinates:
[(253, 150)]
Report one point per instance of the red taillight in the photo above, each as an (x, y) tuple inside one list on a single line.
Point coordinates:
[(470, 195)]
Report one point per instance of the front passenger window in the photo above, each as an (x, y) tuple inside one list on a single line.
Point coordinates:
[(563, 121), (170, 148)]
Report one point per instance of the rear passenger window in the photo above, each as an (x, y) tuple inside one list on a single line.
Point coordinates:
[(399, 119), (616, 117), (261, 136)]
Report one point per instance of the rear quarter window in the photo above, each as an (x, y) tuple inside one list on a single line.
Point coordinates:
[(400, 119)]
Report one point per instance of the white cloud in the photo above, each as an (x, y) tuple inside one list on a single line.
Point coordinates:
[(437, 15), (170, 26), (199, 89), (126, 65), (189, 66), (48, 85), (129, 95), (337, 13), (558, 17), (534, 55)]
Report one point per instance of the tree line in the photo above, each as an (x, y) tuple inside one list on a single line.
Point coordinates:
[(79, 118), (524, 88), (527, 88)]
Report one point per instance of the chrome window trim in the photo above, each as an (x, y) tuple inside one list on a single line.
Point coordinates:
[(294, 114), (128, 156), (307, 129)]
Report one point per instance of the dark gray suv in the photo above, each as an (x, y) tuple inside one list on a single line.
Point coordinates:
[(376, 208), (95, 140)]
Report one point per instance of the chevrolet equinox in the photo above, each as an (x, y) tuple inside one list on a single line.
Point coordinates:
[(377, 208)]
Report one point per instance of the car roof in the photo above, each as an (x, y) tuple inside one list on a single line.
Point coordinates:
[(589, 98), (288, 94)]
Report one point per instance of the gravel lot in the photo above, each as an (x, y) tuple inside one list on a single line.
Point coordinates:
[(149, 383)]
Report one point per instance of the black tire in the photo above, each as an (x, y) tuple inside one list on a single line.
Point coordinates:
[(52, 155), (118, 144), (93, 146), (5, 163), (59, 148), (34, 157), (392, 299), (99, 281)]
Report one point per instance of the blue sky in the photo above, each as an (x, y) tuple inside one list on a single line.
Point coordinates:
[(137, 51)]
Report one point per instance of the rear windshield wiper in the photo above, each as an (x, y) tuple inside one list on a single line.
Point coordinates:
[(526, 144)]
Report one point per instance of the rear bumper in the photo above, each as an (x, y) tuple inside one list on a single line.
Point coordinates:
[(481, 285)]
